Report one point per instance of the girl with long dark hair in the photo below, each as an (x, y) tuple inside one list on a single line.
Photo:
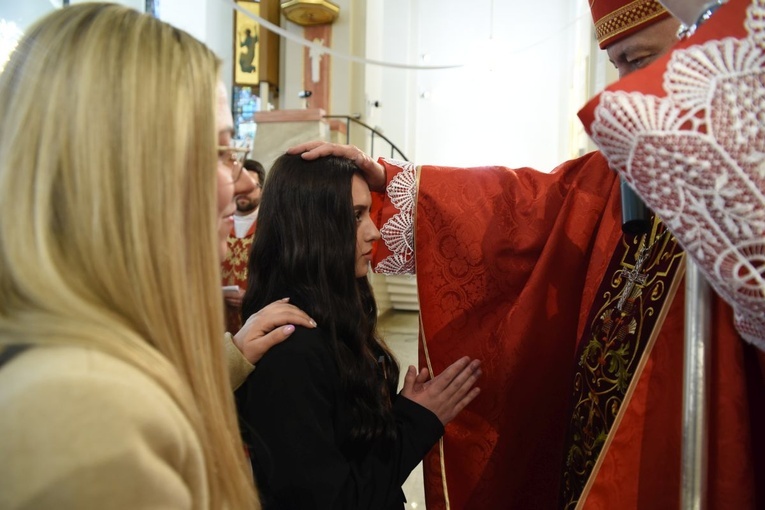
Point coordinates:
[(320, 413)]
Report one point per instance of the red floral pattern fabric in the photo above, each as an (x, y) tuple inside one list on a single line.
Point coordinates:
[(509, 263)]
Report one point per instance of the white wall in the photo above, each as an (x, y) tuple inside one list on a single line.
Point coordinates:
[(519, 113), (507, 105), (138, 5), (399, 92), (514, 106), (17, 15), (23, 14), (210, 21)]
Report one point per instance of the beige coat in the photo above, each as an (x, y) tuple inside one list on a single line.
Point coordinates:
[(80, 429)]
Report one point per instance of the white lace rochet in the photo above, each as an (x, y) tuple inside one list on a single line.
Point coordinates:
[(398, 232), (697, 157)]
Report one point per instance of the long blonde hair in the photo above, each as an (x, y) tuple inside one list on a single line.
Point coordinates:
[(108, 214)]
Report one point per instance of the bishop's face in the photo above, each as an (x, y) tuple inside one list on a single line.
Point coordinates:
[(641, 48)]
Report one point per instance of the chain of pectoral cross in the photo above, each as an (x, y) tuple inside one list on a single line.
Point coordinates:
[(636, 276)]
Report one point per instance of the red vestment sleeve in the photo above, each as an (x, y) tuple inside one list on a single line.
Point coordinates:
[(509, 265), (502, 257)]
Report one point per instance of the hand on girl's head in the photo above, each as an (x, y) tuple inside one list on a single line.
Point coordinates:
[(373, 172)]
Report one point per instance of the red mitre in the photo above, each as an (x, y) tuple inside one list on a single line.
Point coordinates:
[(616, 19), (687, 134)]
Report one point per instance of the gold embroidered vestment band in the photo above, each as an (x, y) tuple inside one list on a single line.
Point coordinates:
[(635, 289)]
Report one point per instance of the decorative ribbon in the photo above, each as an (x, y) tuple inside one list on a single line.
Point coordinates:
[(329, 51)]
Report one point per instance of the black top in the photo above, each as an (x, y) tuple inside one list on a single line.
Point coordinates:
[(296, 422)]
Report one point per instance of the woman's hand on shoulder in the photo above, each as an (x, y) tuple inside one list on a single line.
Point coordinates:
[(374, 173), (269, 326), (446, 394)]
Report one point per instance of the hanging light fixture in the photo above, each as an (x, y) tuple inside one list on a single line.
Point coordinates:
[(310, 12)]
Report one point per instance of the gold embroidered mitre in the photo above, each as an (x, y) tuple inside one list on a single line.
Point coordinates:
[(616, 19)]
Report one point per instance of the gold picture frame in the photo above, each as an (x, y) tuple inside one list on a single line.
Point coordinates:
[(247, 45)]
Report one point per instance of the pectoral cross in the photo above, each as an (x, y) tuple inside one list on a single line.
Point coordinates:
[(634, 277)]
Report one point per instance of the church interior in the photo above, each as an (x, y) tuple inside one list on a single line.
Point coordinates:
[(399, 79), (431, 81)]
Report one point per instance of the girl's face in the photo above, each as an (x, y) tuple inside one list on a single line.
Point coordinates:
[(366, 231)]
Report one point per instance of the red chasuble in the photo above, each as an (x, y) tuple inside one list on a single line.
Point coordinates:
[(234, 270), (687, 133), (580, 332)]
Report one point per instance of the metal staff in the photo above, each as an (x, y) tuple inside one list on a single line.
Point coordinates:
[(695, 389)]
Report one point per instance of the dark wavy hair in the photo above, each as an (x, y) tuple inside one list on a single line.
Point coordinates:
[(305, 245)]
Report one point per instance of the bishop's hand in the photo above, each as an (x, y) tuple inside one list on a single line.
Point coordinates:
[(374, 173)]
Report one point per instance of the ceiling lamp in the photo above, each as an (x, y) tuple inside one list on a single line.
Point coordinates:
[(310, 12)]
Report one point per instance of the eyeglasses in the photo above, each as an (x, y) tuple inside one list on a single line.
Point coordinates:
[(233, 157)]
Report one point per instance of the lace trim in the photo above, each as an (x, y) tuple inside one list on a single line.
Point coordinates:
[(698, 157), (398, 232)]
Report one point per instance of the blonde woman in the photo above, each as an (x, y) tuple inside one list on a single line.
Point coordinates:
[(109, 271)]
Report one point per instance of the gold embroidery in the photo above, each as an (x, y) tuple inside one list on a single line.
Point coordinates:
[(623, 19), (234, 267), (634, 301)]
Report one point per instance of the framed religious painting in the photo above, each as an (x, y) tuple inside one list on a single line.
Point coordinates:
[(246, 45)]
